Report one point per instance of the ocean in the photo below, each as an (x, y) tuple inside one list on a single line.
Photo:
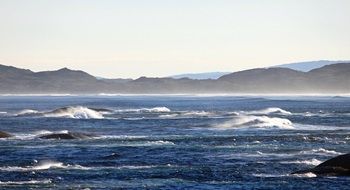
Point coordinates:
[(171, 141)]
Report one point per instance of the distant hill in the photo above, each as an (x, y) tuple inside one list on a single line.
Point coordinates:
[(14, 80), (309, 65), (299, 66), (200, 76), (334, 78)]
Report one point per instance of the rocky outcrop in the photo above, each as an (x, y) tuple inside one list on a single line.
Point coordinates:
[(67, 136), (338, 166), (4, 135)]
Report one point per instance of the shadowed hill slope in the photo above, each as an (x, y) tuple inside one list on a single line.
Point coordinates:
[(328, 79)]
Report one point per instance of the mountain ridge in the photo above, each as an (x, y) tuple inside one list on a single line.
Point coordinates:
[(333, 78)]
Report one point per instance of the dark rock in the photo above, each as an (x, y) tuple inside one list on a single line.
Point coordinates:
[(66, 136), (338, 166), (4, 135)]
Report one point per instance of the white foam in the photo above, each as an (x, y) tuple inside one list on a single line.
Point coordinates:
[(187, 114), (267, 111), (263, 122), (321, 151), (312, 162), (45, 181), (43, 165), (135, 167), (156, 109), (26, 112), (169, 115), (151, 143), (77, 112), (269, 175), (152, 110), (308, 175), (127, 137), (197, 113), (160, 143), (47, 165)]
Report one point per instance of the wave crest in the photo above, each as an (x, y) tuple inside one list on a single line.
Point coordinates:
[(268, 111), (322, 151), (257, 122), (312, 162), (78, 112), (43, 165), (26, 112), (149, 110)]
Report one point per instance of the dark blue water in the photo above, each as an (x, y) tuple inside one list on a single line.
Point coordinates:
[(172, 142)]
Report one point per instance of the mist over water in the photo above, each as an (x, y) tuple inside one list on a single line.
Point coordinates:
[(217, 142)]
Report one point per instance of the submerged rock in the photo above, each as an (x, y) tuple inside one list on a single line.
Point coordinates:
[(4, 135), (338, 166), (69, 135)]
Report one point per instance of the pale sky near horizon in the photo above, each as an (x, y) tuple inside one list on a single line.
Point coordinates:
[(132, 38)]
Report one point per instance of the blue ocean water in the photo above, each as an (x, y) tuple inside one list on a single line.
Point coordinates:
[(172, 142)]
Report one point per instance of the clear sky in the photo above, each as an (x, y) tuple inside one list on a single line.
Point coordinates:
[(132, 38)]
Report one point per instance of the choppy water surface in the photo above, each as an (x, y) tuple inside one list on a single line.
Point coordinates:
[(172, 142)]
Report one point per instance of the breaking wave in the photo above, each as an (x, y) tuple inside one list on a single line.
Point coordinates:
[(268, 111), (78, 112), (306, 175), (44, 165), (312, 162), (142, 110), (188, 114), (26, 112), (263, 122), (322, 151)]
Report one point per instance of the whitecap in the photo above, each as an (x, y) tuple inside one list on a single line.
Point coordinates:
[(160, 143), (135, 167), (126, 137), (267, 111), (42, 165), (312, 162), (168, 115), (197, 113), (47, 165), (307, 175), (150, 110), (269, 175), (156, 109), (45, 181), (321, 151), (262, 122), (78, 112), (26, 112), (151, 143)]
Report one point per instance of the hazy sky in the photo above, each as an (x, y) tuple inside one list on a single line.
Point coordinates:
[(132, 38)]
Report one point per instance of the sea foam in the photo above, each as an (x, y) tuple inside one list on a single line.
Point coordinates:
[(267, 111), (262, 122), (78, 112), (142, 110)]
